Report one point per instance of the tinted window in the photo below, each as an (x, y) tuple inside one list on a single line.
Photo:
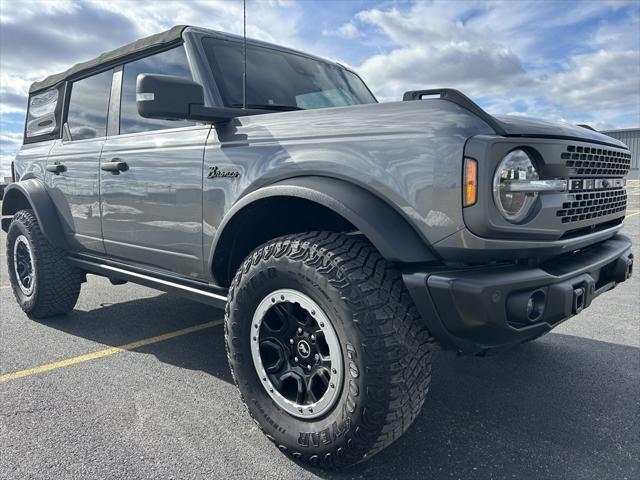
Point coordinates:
[(171, 62), (88, 106), (276, 78)]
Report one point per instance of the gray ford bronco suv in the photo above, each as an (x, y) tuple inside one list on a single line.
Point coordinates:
[(342, 236)]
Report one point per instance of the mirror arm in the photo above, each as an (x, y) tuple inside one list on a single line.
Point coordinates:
[(220, 114)]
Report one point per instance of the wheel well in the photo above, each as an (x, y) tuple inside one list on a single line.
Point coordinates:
[(264, 220), (14, 201)]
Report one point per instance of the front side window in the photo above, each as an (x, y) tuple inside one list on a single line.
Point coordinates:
[(89, 105), (281, 80), (172, 62)]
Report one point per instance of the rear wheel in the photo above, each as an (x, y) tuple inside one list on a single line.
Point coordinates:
[(43, 283), (326, 347)]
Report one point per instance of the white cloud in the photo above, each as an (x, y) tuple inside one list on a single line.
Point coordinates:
[(270, 21), (477, 69), (499, 52), (30, 8), (601, 80), (346, 30), (435, 49)]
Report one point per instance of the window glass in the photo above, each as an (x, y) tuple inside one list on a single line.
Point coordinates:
[(281, 79), (172, 62), (88, 106), (41, 118)]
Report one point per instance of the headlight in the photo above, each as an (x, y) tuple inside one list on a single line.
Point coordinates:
[(515, 167)]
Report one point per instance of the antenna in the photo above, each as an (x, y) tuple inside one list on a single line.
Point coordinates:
[(244, 53)]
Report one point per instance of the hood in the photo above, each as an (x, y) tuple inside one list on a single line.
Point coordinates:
[(515, 125)]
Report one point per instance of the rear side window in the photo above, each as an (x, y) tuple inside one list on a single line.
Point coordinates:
[(88, 106), (43, 115), (171, 62)]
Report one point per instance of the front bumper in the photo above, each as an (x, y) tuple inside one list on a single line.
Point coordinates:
[(481, 308)]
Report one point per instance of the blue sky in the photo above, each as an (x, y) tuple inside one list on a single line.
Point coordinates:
[(577, 61)]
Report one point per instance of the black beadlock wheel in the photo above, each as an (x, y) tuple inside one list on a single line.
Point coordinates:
[(43, 283), (326, 347)]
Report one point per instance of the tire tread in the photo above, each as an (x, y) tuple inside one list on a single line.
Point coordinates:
[(395, 339), (58, 283)]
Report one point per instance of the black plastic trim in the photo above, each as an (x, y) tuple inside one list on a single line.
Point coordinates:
[(459, 98), (467, 308), (384, 227), (35, 193), (565, 137), (198, 291)]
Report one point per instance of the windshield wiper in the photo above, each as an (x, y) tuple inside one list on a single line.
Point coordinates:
[(278, 108)]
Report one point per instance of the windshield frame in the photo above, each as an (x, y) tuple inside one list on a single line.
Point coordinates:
[(218, 91)]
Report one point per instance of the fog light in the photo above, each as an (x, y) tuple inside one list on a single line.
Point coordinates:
[(535, 306), (525, 308)]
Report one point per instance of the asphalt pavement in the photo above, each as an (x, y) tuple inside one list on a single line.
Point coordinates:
[(565, 406)]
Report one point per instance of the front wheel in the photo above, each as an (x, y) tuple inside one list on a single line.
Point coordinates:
[(326, 347)]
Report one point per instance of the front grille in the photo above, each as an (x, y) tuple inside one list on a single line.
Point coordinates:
[(589, 161), (590, 204), (578, 232)]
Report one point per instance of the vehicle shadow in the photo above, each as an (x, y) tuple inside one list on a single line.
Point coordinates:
[(560, 407), (116, 324)]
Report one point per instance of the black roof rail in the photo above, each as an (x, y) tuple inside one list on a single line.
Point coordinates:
[(459, 98)]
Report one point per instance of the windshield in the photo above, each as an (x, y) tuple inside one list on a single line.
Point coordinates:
[(281, 81)]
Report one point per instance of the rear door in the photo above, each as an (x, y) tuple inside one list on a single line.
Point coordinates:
[(152, 208), (75, 189)]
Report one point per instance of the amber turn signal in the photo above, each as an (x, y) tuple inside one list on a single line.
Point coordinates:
[(470, 192)]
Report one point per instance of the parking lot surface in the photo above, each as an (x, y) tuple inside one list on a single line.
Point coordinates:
[(565, 406)]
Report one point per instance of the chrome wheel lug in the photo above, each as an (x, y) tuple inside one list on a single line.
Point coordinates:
[(308, 367), (299, 330), (295, 358), (291, 341), (313, 337)]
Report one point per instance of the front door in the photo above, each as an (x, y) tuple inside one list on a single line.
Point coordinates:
[(151, 180), (74, 189)]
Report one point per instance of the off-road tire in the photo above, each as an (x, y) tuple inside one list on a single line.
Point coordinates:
[(56, 285), (387, 360)]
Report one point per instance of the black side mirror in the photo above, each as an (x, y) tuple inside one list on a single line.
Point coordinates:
[(168, 97)]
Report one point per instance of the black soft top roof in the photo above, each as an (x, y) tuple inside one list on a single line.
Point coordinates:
[(166, 38)]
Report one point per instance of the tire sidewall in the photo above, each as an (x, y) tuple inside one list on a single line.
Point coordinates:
[(17, 228), (334, 429)]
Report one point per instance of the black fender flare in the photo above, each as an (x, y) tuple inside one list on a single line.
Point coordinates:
[(383, 226), (34, 192)]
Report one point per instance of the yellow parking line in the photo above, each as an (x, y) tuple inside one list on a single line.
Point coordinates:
[(5, 286), (633, 214), (106, 352)]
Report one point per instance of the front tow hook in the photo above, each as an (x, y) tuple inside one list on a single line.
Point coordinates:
[(578, 300)]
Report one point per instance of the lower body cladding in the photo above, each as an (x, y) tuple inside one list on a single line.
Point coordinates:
[(494, 307)]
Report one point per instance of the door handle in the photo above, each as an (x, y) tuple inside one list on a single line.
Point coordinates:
[(56, 168), (115, 166)]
